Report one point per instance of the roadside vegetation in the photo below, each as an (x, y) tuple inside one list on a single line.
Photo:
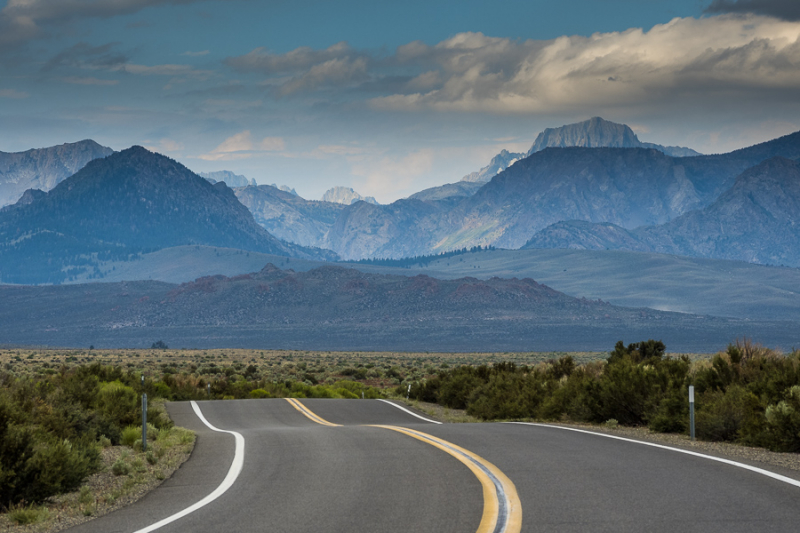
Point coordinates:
[(748, 394), (70, 443), (70, 417), (70, 433)]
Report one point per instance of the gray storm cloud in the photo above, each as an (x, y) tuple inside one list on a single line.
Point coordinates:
[(22, 20), (783, 9)]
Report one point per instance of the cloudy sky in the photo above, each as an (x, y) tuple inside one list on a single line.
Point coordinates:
[(390, 98)]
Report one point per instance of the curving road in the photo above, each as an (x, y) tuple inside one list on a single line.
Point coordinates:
[(350, 465)]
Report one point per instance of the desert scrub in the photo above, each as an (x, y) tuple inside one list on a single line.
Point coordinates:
[(24, 516), (103, 491), (120, 468)]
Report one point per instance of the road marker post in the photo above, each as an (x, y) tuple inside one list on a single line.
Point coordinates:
[(208, 389), (691, 411), (409, 391), (144, 422)]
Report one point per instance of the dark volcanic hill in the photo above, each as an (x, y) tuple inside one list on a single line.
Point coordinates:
[(129, 202), (757, 220), (332, 308), (44, 168)]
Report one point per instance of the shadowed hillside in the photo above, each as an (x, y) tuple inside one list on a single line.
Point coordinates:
[(118, 206)]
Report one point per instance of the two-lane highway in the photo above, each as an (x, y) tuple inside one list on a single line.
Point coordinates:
[(342, 465)]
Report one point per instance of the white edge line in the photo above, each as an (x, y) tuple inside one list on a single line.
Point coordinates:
[(409, 412), (755, 469), (233, 473)]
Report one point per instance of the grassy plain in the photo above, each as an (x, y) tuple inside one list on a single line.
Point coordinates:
[(382, 370)]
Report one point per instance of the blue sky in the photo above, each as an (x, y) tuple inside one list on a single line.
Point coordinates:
[(389, 98)]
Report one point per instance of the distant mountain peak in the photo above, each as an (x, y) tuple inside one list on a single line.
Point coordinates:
[(599, 133), (346, 196), (230, 179), (285, 188), (499, 163), (44, 168)]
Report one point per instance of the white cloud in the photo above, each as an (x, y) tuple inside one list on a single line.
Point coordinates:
[(11, 93), (241, 146), (306, 69), (341, 149), (339, 72), (163, 70), (716, 61), (272, 144), (78, 80), (300, 59), (735, 55), (389, 177)]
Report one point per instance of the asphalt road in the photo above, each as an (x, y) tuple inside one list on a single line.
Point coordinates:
[(299, 475)]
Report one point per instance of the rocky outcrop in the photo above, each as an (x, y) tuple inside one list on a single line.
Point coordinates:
[(346, 196), (599, 133)]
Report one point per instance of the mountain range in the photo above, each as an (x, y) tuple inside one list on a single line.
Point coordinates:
[(130, 202), (627, 187), (44, 168), (624, 215), (757, 221), (627, 196)]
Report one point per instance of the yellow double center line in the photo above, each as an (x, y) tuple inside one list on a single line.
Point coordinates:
[(309, 413), (502, 509)]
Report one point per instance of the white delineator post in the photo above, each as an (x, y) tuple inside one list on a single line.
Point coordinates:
[(144, 422), (691, 411)]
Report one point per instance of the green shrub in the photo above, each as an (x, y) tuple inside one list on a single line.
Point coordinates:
[(120, 468), (346, 394), (138, 465), (85, 496), (130, 434), (260, 393), (724, 416), (24, 516), (118, 402), (508, 394), (783, 423), (58, 466)]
